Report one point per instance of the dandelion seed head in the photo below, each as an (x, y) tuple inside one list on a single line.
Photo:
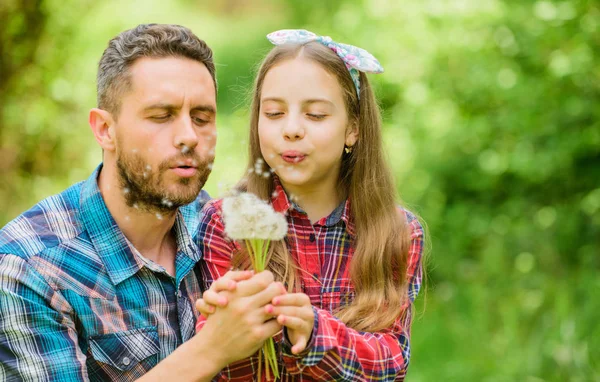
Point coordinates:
[(126, 190), (246, 216), (159, 216)]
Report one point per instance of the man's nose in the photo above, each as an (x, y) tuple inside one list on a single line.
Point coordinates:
[(185, 135)]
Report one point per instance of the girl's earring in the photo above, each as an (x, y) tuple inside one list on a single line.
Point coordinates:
[(348, 149)]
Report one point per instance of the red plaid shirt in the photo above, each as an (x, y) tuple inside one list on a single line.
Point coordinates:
[(323, 251)]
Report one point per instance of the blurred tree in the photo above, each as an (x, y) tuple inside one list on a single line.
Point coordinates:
[(36, 100), (23, 23)]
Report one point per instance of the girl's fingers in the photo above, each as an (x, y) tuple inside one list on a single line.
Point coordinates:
[(298, 332), (305, 312), (300, 345), (295, 299), (293, 323), (204, 309)]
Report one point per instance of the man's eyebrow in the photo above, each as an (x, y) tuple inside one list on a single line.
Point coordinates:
[(205, 108), (167, 106), (162, 106)]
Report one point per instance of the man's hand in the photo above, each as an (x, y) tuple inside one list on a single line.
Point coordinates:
[(213, 298), (238, 329)]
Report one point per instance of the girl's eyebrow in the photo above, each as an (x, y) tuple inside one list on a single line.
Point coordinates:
[(304, 102)]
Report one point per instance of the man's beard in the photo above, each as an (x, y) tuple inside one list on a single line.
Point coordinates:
[(146, 189)]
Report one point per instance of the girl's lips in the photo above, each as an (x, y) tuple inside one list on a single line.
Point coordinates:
[(293, 156)]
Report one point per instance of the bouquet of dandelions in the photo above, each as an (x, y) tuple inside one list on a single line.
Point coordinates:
[(250, 219)]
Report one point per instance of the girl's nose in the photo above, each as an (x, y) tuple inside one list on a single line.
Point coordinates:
[(293, 128)]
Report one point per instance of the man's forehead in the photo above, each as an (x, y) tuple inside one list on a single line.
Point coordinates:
[(172, 81)]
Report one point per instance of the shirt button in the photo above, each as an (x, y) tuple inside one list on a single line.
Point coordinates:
[(311, 237), (126, 361)]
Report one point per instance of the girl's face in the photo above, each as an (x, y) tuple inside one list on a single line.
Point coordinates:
[(303, 125)]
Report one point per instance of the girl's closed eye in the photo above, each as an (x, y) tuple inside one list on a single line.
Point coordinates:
[(316, 116), (273, 114)]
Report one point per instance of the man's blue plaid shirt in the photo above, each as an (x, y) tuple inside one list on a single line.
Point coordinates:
[(78, 301)]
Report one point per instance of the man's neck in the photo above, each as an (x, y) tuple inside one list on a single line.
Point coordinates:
[(150, 233)]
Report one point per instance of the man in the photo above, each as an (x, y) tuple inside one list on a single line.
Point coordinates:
[(99, 282)]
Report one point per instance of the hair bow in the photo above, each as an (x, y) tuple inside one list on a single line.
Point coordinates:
[(355, 58)]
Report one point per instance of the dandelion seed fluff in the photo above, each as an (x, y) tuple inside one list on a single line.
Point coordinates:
[(248, 217)]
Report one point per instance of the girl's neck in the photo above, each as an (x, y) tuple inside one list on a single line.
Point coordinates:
[(317, 200)]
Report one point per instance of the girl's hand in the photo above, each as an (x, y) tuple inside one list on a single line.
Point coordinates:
[(295, 312), (213, 298)]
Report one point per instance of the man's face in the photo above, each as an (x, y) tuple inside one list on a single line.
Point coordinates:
[(166, 133)]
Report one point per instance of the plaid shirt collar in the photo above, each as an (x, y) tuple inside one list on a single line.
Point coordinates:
[(281, 203), (113, 247)]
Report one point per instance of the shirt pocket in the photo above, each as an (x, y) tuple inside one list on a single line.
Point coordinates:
[(124, 350), (336, 295)]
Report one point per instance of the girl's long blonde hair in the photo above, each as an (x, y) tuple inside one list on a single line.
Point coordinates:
[(382, 238)]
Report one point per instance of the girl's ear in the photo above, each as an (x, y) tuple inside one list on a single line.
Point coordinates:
[(102, 124), (352, 134)]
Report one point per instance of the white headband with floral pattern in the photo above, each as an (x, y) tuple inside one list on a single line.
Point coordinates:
[(355, 58)]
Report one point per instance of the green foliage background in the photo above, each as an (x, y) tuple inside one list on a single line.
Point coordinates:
[(492, 124)]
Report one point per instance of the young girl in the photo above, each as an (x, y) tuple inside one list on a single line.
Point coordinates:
[(352, 259)]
